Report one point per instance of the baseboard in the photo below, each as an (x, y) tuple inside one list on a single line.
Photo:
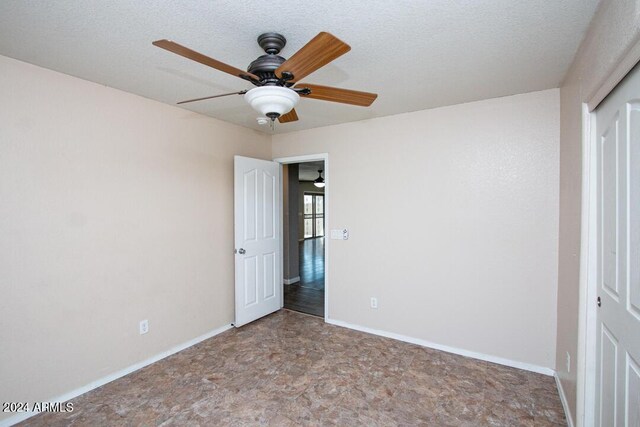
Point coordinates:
[(291, 281), (119, 374), (459, 351), (563, 399)]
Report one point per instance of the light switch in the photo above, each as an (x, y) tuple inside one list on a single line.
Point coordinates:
[(340, 234)]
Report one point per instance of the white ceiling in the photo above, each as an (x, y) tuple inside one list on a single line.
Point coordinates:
[(415, 54), (308, 171)]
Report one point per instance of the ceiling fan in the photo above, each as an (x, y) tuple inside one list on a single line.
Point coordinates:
[(278, 79)]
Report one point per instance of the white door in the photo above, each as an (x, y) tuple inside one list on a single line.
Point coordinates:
[(618, 324), (257, 238)]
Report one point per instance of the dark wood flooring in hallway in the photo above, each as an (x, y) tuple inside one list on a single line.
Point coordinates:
[(307, 296)]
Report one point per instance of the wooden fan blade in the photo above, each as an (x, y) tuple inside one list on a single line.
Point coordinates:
[(334, 94), (321, 50), (242, 92), (203, 59), (291, 116)]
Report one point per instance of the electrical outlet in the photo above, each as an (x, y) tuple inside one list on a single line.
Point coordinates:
[(568, 362), (144, 326), (374, 302)]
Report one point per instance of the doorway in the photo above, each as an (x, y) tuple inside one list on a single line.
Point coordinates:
[(304, 225)]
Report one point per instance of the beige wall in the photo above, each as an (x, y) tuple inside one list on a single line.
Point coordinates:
[(614, 30), (569, 238), (113, 209), (470, 259)]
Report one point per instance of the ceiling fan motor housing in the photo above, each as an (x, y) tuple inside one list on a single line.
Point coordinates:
[(266, 65)]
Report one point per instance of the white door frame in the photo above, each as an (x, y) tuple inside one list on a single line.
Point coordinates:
[(302, 159), (586, 363), (587, 316)]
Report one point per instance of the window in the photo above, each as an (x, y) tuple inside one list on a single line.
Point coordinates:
[(313, 215)]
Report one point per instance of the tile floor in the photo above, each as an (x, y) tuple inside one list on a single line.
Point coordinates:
[(290, 369)]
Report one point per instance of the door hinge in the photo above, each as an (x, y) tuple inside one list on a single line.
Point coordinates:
[(599, 302)]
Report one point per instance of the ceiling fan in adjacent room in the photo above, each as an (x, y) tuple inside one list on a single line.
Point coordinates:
[(278, 79)]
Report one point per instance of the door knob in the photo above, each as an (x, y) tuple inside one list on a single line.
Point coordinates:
[(242, 251)]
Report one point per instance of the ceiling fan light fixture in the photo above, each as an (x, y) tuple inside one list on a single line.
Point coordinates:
[(319, 181), (272, 101)]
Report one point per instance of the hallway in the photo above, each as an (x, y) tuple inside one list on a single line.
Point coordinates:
[(307, 295)]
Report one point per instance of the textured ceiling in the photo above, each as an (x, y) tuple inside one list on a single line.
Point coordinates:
[(415, 54), (308, 171)]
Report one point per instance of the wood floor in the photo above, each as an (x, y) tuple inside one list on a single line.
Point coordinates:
[(290, 369), (307, 296)]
